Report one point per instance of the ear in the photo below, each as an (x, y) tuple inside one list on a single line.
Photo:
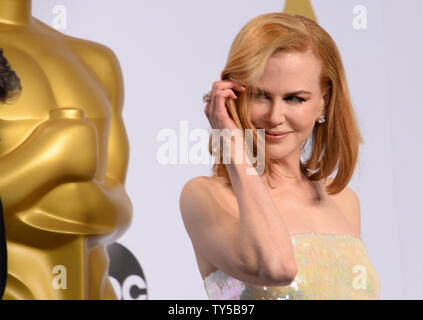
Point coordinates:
[(325, 100)]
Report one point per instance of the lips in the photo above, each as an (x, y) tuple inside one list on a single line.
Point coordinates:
[(276, 133)]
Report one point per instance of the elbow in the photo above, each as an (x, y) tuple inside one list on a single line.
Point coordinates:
[(281, 275)]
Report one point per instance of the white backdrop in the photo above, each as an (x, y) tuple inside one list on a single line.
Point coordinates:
[(172, 51)]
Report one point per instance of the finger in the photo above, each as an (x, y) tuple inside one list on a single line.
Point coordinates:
[(218, 100), (219, 103), (207, 108), (213, 94), (226, 84), (228, 93), (225, 93), (219, 87), (238, 86)]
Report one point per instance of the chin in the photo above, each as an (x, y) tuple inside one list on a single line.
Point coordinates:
[(277, 152), (272, 155)]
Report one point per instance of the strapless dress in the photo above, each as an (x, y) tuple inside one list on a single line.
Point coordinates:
[(329, 266)]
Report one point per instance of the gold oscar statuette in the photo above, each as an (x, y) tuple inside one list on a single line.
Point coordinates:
[(63, 161)]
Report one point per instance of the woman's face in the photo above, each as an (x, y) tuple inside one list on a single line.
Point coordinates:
[(279, 109)]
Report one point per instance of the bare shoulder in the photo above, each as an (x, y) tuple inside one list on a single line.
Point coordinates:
[(206, 194), (207, 184), (349, 203), (195, 190), (197, 185)]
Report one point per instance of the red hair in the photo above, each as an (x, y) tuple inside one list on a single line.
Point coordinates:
[(335, 142)]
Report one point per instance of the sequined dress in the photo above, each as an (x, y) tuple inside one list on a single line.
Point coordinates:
[(329, 266)]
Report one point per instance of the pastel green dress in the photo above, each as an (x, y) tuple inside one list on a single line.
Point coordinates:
[(329, 266)]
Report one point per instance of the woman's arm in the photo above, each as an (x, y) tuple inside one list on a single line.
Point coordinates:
[(215, 232), (263, 240), (258, 246)]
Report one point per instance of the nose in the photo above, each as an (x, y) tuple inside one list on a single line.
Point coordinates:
[(276, 114)]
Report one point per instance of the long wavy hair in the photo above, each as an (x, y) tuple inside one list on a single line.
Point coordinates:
[(10, 85), (334, 143)]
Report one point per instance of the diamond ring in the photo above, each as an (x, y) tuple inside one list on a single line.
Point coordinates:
[(206, 97)]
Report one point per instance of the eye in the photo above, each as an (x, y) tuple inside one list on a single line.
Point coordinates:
[(260, 95), (298, 99)]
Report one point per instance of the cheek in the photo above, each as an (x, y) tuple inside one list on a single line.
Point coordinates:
[(304, 117), (256, 114)]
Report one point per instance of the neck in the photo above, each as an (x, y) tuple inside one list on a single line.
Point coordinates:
[(286, 174), (15, 12)]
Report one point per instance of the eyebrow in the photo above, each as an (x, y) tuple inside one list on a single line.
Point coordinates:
[(286, 94)]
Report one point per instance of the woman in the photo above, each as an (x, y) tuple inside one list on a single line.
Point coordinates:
[(9, 88), (290, 232)]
